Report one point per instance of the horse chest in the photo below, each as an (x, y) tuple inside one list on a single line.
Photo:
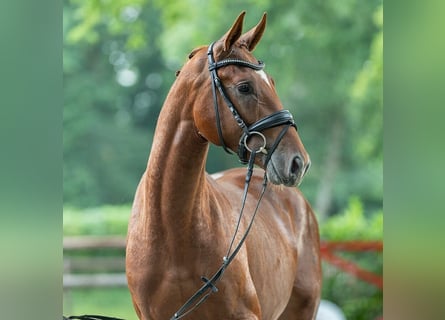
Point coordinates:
[(184, 221)]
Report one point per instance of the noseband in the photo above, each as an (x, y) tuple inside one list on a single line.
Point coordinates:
[(282, 117)]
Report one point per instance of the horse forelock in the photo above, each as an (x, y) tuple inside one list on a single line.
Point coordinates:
[(238, 50)]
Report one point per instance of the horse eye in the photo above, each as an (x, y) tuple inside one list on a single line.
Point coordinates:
[(244, 88)]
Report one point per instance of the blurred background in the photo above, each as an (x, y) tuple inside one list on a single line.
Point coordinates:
[(120, 58)]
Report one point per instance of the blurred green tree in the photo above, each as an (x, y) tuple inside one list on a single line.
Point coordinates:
[(115, 79), (120, 57)]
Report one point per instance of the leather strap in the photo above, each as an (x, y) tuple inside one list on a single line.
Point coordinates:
[(279, 118), (209, 284), (282, 117), (90, 317)]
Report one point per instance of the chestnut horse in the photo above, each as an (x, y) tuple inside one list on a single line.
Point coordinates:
[(183, 219)]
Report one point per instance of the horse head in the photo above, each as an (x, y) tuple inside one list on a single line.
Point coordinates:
[(235, 105)]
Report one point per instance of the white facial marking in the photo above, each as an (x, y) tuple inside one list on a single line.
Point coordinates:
[(263, 76)]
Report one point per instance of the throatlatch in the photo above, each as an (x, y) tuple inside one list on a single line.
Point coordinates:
[(279, 118)]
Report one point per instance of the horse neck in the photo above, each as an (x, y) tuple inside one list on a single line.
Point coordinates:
[(175, 183)]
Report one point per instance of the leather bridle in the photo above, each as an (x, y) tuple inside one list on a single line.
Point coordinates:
[(282, 117), (279, 118)]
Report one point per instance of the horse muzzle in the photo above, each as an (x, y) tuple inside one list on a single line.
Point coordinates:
[(290, 173)]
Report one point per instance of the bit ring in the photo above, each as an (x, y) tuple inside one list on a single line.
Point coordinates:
[(261, 148)]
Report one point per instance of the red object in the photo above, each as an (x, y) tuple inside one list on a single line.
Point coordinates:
[(350, 267)]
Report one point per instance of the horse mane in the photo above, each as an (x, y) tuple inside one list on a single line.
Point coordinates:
[(191, 55)]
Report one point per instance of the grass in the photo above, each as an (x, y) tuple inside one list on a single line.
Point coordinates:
[(111, 302)]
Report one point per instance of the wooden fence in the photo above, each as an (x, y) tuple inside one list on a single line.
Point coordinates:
[(107, 270), (104, 270)]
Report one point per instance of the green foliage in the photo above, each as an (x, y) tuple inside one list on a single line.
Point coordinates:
[(367, 99), (114, 88), (105, 220), (353, 225), (118, 17), (325, 57), (359, 300)]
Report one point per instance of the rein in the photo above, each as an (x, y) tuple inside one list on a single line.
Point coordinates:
[(282, 117), (90, 317), (209, 284)]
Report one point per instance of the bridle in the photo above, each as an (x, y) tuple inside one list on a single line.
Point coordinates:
[(282, 117)]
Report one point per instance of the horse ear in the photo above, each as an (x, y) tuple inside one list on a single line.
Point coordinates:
[(253, 36), (234, 33)]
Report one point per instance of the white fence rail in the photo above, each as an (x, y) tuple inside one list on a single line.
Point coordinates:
[(97, 270)]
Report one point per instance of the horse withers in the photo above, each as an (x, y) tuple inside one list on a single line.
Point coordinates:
[(183, 219)]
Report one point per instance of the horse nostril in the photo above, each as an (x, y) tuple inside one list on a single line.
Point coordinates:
[(296, 166)]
